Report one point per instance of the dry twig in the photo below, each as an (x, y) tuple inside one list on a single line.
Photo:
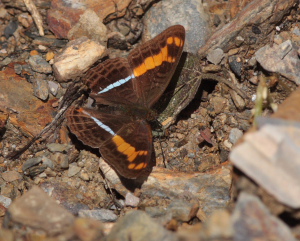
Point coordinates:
[(35, 15)]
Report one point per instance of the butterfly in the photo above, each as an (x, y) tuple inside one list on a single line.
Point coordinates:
[(124, 90)]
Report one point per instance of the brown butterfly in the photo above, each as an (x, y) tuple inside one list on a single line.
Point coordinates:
[(125, 89)]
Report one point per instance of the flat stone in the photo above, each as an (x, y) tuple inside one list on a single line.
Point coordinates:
[(211, 189), (271, 157), (16, 93), (234, 135), (91, 26), (136, 226), (282, 59), (37, 210), (11, 176), (56, 147), (5, 201), (131, 200), (103, 215), (73, 170), (76, 58), (253, 221), (62, 17), (215, 56), (38, 64), (31, 162), (40, 86), (166, 13)]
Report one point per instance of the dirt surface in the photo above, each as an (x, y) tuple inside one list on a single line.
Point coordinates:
[(211, 102)]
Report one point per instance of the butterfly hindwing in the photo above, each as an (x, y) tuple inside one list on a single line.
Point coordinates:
[(143, 76), (117, 138)]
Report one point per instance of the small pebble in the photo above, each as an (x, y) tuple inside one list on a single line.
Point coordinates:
[(56, 147), (38, 64), (73, 170), (34, 52), (103, 215), (131, 200), (215, 56), (10, 29), (5, 201), (234, 135), (31, 162), (84, 176), (53, 87)]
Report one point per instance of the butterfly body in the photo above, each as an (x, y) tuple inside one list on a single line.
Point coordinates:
[(128, 88)]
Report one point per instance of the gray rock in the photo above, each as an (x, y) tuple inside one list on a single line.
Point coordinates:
[(73, 170), (37, 210), (188, 13), (40, 86), (103, 215), (5, 201), (53, 87), (253, 221), (56, 147), (138, 226), (215, 56), (183, 210), (235, 66), (282, 59), (39, 64), (31, 162), (131, 200), (48, 162), (11, 176), (10, 29), (234, 135)]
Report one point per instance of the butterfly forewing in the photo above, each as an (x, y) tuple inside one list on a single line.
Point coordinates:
[(154, 63), (104, 81)]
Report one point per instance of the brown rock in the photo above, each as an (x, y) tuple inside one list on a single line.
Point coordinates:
[(16, 94), (11, 176), (76, 58), (62, 17), (37, 210), (89, 25), (253, 221)]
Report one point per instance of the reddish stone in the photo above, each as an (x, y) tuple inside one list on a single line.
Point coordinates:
[(32, 114), (63, 16)]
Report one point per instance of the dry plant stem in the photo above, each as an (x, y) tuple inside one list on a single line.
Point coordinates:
[(261, 95), (35, 15)]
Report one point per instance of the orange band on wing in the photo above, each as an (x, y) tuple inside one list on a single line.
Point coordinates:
[(126, 149), (156, 60)]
